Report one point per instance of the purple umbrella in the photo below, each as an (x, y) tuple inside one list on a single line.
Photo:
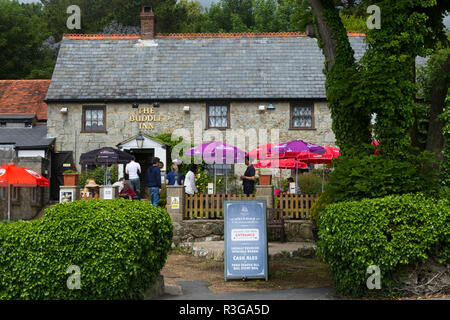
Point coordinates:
[(216, 152), (293, 148)]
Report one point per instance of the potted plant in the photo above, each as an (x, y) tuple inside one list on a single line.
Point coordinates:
[(71, 177), (265, 178)]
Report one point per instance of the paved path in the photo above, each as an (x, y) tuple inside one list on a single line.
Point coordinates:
[(198, 290)]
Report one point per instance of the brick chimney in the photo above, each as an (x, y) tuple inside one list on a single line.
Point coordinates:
[(147, 23)]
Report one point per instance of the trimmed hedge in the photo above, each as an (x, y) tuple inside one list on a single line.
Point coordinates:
[(120, 247), (389, 232)]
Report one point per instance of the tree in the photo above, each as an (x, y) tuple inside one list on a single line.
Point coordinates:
[(382, 83), (22, 32)]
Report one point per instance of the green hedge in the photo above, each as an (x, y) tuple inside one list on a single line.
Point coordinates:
[(389, 232), (120, 247)]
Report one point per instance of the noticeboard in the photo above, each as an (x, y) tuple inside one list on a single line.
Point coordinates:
[(245, 236)]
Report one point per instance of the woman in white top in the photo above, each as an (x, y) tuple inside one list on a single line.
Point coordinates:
[(189, 180)]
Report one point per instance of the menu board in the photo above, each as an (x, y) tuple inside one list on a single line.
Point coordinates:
[(245, 240)]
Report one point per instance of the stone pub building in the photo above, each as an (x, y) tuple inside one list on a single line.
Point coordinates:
[(106, 89)]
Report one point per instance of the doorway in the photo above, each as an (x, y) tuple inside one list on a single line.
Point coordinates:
[(144, 158)]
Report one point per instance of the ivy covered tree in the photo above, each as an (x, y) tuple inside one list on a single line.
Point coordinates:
[(382, 83)]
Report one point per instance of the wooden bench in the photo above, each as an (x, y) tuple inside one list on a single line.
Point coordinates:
[(275, 221)]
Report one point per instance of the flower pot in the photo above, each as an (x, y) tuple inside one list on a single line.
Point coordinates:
[(265, 179), (71, 179)]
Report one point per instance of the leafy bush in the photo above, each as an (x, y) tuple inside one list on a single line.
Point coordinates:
[(388, 232), (379, 176), (318, 206), (119, 245)]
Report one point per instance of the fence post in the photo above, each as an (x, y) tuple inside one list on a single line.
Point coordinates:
[(265, 193), (175, 202)]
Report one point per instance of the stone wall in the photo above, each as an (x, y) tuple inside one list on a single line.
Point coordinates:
[(244, 116), (213, 230)]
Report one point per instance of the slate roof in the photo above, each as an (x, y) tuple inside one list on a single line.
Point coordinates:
[(26, 137), (24, 97), (190, 67)]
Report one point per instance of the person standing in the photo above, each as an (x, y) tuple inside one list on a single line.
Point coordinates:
[(133, 170), (174, 178), (189, 181), (154, 181), (248, 179)]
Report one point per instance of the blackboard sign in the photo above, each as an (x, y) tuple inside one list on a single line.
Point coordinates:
[(245, 240)]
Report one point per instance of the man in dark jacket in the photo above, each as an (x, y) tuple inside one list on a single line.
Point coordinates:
[(154, 181), (248, 179)]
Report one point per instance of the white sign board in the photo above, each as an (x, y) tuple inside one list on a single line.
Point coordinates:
[(210, 188), (108, 193), (292, 188)]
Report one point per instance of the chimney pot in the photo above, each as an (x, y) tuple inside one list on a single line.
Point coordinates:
[(147, 23)]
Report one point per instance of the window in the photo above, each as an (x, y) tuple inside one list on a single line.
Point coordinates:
[(218, 116), (15, 194), (3, 193), (94, 118), (221, 169), (302, 115), (35, 195)]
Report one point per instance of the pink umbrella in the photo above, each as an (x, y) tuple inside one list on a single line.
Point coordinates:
[(293, 149)]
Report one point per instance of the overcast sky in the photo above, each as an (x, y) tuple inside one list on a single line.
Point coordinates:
[(206, 3)]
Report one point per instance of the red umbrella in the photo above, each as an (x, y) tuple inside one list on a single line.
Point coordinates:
[(12, 175), (326, 158), (290, 163), (260, 152)]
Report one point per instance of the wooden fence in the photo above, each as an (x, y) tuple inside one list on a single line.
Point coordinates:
[(209, 206), (295, 207)]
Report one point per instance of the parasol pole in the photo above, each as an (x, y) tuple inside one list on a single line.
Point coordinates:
[(214, 178), (226, 180), (280, 179), (296, 173), (9, 202)]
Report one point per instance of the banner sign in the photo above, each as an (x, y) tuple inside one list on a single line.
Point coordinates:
[(245, 240)]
